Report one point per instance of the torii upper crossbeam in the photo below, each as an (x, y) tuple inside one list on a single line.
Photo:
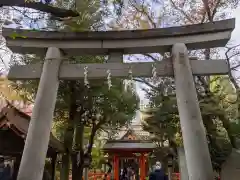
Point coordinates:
[(198, 36)]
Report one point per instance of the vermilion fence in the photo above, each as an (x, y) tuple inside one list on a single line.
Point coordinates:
[(101, 176), (96, 176)]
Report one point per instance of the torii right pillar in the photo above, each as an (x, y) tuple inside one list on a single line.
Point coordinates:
[(194, 137)]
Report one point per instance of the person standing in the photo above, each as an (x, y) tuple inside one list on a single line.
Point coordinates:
[(5, 171), (123, 175), (158, 173), (2, 166)]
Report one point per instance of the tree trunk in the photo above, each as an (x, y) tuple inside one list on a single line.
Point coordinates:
[(95, 127), (68, 134), (78, 153), (44, 7), (77, 167), (64, 174)]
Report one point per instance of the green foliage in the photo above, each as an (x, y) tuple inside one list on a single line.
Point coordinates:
[(58, 129), (162, 120), (97, 154), (222, 87), (115, 102), (15, 35), (227, 96)]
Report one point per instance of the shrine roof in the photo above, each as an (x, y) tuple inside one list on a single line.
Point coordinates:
[(18, 122), (128, 145), (135, 132), (129, 141)]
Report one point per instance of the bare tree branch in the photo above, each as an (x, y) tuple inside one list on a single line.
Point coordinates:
[(208, 11), (215, 8), (54, 11), (141, 80), (181, 11), (154, 25), (153, 58), (231, 77)]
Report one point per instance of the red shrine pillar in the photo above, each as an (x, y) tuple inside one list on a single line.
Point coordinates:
[(142, 162), (140, 165), (116, 167)]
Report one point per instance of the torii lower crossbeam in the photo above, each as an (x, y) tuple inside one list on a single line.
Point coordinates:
[(119, 70)]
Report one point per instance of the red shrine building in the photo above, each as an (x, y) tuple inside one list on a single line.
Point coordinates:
[(130, 151)]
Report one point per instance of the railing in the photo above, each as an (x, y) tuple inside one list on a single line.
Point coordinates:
[(98, 176), (102, 176)]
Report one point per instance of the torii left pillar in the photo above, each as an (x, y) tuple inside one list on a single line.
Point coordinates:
[(36, 144)]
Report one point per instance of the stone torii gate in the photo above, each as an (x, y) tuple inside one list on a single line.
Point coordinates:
[(177, 40)]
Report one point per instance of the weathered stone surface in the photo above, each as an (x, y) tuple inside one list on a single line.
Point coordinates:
[(119, 70), (231, 168), (36, 144), (197, 36), (182, 164), (195, 29), (193, 132)]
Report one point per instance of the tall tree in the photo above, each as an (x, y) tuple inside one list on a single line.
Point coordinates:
[(143, 15), (77, 105), (162, 121)]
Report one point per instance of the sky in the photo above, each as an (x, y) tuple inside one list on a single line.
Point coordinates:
[(236, 35)]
